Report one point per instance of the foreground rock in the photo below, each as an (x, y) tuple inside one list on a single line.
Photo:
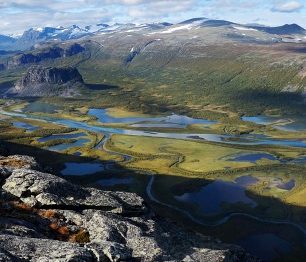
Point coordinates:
[(48, 81), (46, 218)]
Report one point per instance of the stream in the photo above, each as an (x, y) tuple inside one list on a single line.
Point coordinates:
[(225, 139)]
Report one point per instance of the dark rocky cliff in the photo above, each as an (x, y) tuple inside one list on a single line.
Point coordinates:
[(46, 218), (48, 81)]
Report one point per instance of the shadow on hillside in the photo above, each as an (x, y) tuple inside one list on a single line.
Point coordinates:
[(100, 87), (235, 229), (258, 100), (4, 86), (301, 49)]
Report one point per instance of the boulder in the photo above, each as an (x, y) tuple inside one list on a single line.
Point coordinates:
[(42, 250), (39, 209)]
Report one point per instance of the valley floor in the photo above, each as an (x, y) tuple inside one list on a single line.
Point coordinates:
[(239, 181)]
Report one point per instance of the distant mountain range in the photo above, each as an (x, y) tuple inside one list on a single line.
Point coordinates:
[(57, 34)]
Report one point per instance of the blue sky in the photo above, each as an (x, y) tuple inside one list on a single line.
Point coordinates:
[(18, 15)]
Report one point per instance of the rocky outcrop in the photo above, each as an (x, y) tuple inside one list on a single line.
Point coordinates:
[(44, 190), (13, 248), (48, 81), (46, 218)]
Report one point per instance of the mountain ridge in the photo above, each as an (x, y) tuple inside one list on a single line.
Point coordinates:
[(33, 36)]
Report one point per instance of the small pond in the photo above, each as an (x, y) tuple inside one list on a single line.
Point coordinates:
[(40, 107), (81, 169), (252, 158), (61, 136), (61, 147), (246, 181), (298, 124), (279, 183), (294, 124), (24, 125), (262, 120)]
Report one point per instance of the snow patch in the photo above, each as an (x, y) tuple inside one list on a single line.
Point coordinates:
[(241, 28), (134, 30), (174, 29)]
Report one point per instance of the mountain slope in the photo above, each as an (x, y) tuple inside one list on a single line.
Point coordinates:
[(7, 42)]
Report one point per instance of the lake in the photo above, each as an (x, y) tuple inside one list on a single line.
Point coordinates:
[(209, 198)]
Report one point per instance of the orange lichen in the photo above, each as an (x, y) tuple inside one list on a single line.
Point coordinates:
[(47, 213), (63, 230), (54, 226), (16, 163), (81, 237), (22, 206)]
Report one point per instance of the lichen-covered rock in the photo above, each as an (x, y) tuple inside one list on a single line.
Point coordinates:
[(43, 250), (18, 227), (126, 238), (18, 161), (101, 225), (5, 256), (42, 189)]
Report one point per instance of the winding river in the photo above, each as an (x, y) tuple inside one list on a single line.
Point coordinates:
[(225, 139)]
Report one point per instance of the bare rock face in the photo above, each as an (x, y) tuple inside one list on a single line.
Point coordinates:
[(46, 218), (40, 189), (48, 81), (42, 250)]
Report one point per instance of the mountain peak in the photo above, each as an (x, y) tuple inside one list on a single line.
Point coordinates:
[(192, 20), (282, 30)]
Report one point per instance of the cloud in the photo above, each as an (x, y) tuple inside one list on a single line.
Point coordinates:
[(288, 7), (38, 13), (160, 9)]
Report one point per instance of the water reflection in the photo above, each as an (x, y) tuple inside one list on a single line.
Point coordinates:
[(209, 198)]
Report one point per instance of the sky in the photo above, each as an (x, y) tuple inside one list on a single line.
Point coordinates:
[(19, 15)]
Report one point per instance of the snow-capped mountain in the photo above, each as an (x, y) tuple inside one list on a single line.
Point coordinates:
[(96, 28), (55, 33), (33, 36), (36, 35)]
